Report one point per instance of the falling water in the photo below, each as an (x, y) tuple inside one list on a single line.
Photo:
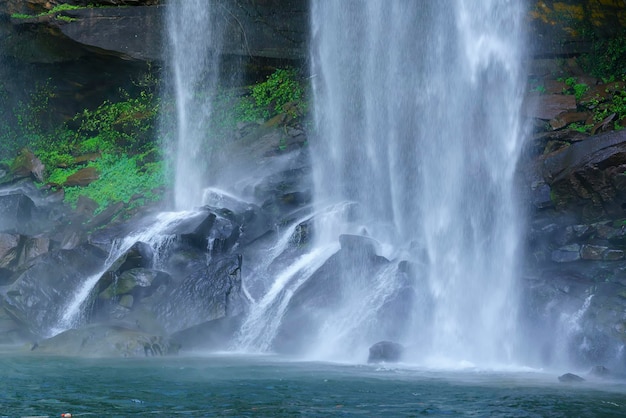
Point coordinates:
[(154, 234), (195, 38), (417, 120)]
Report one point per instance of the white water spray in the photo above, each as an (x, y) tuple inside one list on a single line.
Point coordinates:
[(153, 234), (417, 116), (195, 41)]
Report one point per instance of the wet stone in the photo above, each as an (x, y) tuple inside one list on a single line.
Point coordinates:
[(566, 254), (593, 252)]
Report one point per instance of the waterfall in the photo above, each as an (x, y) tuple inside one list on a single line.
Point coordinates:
[(155, 234), (195, 37), (416, 112)]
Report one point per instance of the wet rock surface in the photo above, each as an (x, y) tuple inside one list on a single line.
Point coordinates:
[(385, 352)]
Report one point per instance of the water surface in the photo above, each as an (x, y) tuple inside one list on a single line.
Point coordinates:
[(230, 385)]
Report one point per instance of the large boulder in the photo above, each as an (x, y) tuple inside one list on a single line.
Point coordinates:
[(44, 287), (587, 178), (212, 292), (385, 352), (16, 210)]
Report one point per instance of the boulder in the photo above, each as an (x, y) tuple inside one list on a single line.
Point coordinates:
[(570, 378), (6, 276), (212, 292), (587, 178), (9, 248), (15, 210), (139, 255), (139, 282), (26, 165), (385, 352), (41, 292), (83, 177)]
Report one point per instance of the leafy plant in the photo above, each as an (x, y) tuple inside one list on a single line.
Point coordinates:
[(580, 127), (607, 58), (268, 98), (578, 89), (121, 178), (128, 124)]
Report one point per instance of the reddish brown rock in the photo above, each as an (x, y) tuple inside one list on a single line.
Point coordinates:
[(564, 119), (26, 164), (83, 177), (547, 106)]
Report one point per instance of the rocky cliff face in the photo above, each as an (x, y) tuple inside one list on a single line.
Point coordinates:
[(261, 29), (576, 275)]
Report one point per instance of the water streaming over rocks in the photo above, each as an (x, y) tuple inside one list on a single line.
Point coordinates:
[(195, 38), (417, 119)]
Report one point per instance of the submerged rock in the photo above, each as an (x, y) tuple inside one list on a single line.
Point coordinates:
[(385, 351), (570, 378)]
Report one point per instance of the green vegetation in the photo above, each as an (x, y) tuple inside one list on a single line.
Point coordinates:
[(282, 92), (607, 58), (120, 139), (271, 97), (56, 9), (574, 87)]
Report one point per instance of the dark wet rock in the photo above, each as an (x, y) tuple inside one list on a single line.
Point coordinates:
[(139, 282), (6, 276), (585, 178), (15, 210), (9, 249), (566, 254), (106, 216), (385, 352), (212, 292), (34, 247), (139, 255), (41, 291), (211, 335), (358, 244), (101, 340), (570, 378), (593, 252)]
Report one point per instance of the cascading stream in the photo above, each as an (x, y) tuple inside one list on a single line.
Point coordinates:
[(195, 36), (153, 234), (417, 119)]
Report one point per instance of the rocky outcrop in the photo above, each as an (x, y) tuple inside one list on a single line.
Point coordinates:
[(267, 29), (106, 341), (575, 286), (44, 287), (385, 352), (588, 178)]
